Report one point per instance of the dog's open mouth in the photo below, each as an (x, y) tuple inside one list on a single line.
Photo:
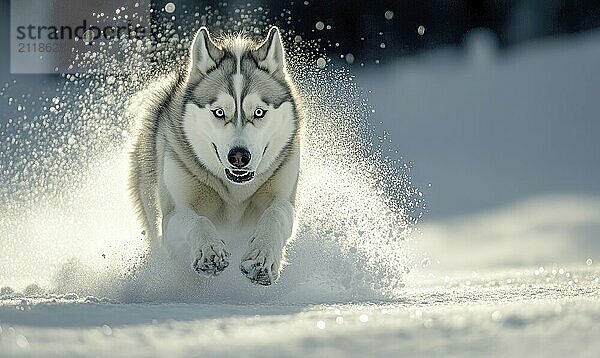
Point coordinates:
[(239, 176)]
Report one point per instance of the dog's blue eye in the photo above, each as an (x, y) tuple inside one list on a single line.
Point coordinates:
[(219, 113), (259, 113)]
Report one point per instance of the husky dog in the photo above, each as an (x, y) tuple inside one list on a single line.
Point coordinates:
[(218, 150)]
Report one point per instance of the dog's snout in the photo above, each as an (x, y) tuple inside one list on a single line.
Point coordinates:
[(239, 157)]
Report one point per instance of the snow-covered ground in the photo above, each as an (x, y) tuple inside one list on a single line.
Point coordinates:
[(512, 312), (521, 279)]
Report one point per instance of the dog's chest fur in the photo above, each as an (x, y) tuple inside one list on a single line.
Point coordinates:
[(226, 207)]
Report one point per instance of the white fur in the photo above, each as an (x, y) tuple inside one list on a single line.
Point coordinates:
[(203, 129)]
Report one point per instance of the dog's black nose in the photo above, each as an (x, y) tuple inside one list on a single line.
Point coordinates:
[(239, 157)]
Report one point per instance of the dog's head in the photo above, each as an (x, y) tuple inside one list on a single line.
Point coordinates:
[(239, 112)]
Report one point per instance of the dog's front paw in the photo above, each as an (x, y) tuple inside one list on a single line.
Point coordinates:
[(211, 259), (261, 263)]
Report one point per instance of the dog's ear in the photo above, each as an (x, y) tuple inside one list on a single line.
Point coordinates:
[(270, 54), (204, 54)]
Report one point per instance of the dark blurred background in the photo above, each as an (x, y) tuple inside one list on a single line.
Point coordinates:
[(409, 27), (359, 27)]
